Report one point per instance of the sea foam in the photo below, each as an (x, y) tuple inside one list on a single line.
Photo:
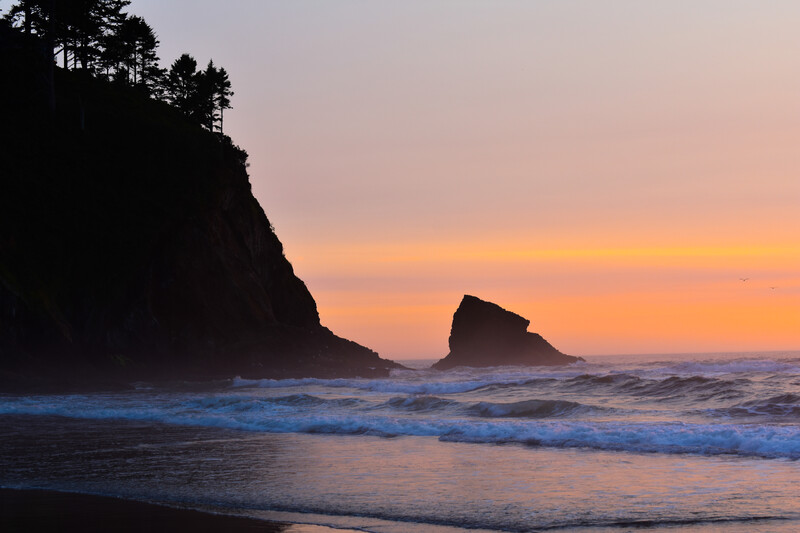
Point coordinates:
[(265, 415)]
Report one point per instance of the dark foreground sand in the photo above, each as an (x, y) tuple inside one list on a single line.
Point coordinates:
[(35, 510)]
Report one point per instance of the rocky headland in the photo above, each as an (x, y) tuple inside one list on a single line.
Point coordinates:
[(131, 246), (484, 334)]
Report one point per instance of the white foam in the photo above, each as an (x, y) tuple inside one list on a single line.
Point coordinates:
[(251, 415)]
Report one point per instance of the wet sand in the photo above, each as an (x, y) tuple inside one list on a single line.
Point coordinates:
[(40, 510)]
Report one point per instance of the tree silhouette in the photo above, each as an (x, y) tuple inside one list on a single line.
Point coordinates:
[(34, 15), (204, 109), (76, 27), (214, 92), (79, 27), (99, 37), (39, 19), (201, 95), (181, 84), (135, 48), (220, 93), (112, 49)]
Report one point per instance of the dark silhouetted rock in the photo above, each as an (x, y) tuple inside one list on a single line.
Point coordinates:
[(131, 247), (485, 334)]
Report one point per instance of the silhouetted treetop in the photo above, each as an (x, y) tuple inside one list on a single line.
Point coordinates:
[(219, 91), (181, 83), (99, 37)]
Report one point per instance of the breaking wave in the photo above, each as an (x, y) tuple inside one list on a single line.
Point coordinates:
[(527, 428), (784, 407), (529, 409), (741, 407), (418, 403)]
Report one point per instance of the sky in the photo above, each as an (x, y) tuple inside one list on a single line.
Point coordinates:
[(611, 170)]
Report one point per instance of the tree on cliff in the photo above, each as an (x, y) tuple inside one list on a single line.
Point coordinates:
[(131, 53), (77, 30), (215, 91), (201, 95), (181, 83), (39, 18), (99, 37), (223, 94), (32, 14)]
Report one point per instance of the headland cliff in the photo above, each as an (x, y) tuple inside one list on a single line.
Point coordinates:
[(131, 246)]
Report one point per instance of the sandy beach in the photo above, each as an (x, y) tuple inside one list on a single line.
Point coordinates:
[(42, 510)]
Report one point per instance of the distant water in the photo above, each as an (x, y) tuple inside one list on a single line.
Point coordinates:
[(694, 442)]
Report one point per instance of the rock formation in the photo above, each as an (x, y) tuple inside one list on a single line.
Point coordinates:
[(485, 334), (131, 247)]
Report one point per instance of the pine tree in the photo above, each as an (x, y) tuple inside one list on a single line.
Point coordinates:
[(112, 50), (100, 37), (33, 14), (38, 18), (182, 83), (204, 110), (222, 93), (80, 27), (137, 43)]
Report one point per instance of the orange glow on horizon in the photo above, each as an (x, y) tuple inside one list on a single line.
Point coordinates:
[(400, 300)]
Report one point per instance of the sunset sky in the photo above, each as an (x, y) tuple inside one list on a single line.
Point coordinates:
[(609, 170)]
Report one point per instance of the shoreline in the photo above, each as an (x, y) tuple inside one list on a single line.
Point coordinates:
[(47, 510), (30, 510)]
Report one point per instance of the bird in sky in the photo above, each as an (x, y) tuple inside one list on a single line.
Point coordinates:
[(744, 279)]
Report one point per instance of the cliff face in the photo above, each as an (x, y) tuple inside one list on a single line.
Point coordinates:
[(484, 334), (131, 247)]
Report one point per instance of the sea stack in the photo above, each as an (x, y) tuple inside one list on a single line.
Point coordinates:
[(484, 334)]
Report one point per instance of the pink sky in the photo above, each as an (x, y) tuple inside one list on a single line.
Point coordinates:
[(607, 169)]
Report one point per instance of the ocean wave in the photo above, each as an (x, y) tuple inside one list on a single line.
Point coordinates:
[(696, 388), (705, 380), (784, 407), (671, 438), (769, 441), (533, 408), (682, 388), (376, 385), (407, 386), (240, 403), (787, 366), (586, 382), (529, 409), (781, 399), (528, 383), (418, 403)]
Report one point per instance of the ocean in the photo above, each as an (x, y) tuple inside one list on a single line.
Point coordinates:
[(692, 442)]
